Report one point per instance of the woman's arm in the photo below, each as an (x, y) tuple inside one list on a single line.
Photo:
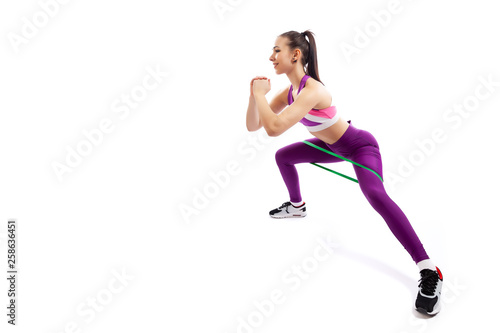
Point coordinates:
[(253, 120), (277, 124), (278, 103)]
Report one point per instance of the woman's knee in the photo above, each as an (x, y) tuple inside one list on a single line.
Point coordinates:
[(282, 156), (287, 154), (374, 194)]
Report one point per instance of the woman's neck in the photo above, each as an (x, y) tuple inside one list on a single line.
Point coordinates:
[(295, 78)]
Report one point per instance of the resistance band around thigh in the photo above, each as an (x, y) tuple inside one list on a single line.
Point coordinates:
[(341, 157)]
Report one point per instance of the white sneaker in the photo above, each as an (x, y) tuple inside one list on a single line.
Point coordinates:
[(288, 210)]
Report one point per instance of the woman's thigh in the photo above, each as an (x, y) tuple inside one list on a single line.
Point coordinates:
[(299, 152)]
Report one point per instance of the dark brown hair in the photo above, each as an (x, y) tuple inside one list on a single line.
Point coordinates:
[(297, 40)]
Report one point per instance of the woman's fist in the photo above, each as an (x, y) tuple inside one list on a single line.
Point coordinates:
[(261, 85), (256, 78)]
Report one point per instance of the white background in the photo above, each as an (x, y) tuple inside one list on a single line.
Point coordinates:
[(119, 210)]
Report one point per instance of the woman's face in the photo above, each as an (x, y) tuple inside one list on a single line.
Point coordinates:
[(281, 56)]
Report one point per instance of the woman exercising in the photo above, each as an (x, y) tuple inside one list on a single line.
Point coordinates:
[(309, 103)]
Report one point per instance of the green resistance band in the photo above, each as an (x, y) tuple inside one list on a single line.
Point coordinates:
[(343, 158)]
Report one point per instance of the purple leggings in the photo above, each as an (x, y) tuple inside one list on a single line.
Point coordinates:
[(359, 146)]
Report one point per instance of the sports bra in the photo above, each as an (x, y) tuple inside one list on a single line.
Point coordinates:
[(315, 120)]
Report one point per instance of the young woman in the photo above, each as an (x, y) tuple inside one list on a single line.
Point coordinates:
[(294, 54)]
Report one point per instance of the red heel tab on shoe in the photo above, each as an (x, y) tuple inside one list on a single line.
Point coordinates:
[(439, 272)]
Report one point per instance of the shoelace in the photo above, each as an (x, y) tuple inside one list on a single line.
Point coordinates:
[(285, 205), (428, 282)]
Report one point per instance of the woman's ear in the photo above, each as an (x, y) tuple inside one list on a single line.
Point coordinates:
[(296, 55)]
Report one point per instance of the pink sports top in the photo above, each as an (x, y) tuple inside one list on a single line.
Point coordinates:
[(315, 120)]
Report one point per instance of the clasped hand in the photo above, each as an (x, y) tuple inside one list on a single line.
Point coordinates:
[(261, 86)]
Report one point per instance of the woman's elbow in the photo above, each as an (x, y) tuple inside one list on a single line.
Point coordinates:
[(253, 128), (273, 131)]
